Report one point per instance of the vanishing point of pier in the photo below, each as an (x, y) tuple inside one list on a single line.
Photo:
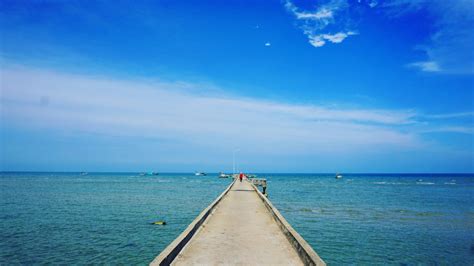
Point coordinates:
[(241, 227)]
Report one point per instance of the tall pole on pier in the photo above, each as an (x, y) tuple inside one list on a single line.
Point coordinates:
[(233, 160)]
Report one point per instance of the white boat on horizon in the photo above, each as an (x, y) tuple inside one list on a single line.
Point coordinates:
[(222, 175), (200, 174)]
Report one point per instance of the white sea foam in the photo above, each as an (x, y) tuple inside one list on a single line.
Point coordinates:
[(425, 183), (389, 183)]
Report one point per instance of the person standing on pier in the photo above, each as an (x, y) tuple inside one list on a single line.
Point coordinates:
[(241, 176)]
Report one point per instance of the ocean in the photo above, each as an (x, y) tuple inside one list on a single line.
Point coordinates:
[(68, 218)]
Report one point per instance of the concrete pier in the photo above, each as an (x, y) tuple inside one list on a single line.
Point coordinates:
[(240, 228)]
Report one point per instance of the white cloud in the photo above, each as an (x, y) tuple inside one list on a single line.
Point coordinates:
[(373, 4), (316, 40), (452, 115), (335, 38), (178, 117), (62, 102), (323, 13), (451, 129), (429, 66), (320, 40), (314, 23), (338, 37), (449, 50)]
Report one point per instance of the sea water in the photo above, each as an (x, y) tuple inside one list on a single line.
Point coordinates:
[(68, 218), (381, 219)]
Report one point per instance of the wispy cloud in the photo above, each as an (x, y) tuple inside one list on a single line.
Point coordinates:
[(449, 50), (451, 129), (33, 98), (452, 115), (429, 66), (320, 39), (80, 102), (176, 116), (314, 23)]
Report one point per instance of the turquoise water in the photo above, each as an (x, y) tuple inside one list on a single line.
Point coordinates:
[(64, 218), (381, 219), (68, 218)]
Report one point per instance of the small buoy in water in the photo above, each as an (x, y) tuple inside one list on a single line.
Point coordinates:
[(159, 223)]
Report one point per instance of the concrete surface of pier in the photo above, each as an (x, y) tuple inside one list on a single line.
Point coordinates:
[(240, 230)]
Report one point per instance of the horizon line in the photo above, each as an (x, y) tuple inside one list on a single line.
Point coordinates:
[(261, 173)]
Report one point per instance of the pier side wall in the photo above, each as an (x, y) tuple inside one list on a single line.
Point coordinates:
[(172, 250), (304, 250)]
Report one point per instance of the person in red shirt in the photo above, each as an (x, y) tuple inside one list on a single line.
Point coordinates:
[(241, 176)]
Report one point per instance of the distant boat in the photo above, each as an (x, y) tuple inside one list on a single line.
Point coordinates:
[(150, 173), (338, 176), (200, 174), (84, 173), (222, 175)]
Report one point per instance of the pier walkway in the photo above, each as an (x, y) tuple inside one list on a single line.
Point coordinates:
[(240, 229)]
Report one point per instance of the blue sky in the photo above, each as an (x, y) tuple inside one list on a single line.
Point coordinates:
[(295, 86)]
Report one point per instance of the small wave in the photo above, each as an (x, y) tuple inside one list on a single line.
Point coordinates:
[(158, 181), (425, 183), (400, 211), (450, 183), (428, 214), (389, 183)]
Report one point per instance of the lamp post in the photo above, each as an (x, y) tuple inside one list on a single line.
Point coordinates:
[(233, 160)]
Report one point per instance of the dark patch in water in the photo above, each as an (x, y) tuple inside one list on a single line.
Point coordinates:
[(130, 245)]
